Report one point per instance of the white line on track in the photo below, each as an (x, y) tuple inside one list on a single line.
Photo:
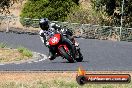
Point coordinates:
[(2, 64), (16, 63), (29, 62), (35, 61)]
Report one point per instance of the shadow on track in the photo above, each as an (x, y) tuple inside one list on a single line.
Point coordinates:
[(71, 63)]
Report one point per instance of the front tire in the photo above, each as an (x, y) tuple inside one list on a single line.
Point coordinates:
[(66, 55)]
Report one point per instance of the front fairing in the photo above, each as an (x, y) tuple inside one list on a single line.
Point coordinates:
[(55, 39)]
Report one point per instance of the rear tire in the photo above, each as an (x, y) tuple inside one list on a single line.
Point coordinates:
[(66, 55)]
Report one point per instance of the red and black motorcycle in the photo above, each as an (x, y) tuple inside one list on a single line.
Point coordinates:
[(62, 49)]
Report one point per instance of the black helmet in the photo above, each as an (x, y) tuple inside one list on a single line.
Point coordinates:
[(44, 23)]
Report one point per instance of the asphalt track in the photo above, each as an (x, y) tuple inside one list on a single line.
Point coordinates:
[(98, 55)]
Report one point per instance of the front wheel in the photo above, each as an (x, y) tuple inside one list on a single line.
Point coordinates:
[(66, 55)]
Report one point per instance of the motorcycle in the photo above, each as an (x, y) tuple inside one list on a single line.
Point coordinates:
[(62, 49)]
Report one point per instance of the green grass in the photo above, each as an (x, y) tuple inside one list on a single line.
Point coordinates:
[(25, 51), (3, 45), (59, 84), (12, 84), (9, 55)]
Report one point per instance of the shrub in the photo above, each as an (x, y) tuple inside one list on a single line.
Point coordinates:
[(26, 21), (54, 10), (86, 16)]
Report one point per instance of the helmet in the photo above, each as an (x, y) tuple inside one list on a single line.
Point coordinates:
[(44, 23)]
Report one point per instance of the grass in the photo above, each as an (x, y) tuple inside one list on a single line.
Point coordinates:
[(3, 45), (48, 80), (61, 84), (25, 51), (10, 55)]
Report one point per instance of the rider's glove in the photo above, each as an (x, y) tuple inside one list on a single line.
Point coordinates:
[(47, 43)]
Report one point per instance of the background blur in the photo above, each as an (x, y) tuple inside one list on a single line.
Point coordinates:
[(96, 19)]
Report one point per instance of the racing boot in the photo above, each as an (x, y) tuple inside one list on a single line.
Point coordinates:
[(76, 44), (51, 56)]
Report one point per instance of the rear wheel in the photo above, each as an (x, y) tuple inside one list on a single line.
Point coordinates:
[(66, 55)]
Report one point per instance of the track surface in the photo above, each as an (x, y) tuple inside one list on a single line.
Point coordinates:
[(98, 54)]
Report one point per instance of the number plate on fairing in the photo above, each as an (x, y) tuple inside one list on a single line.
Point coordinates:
[(55, 39)]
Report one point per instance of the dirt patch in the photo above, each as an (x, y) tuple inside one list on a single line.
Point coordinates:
[(85, 4), (11, 55), (29, 77), (45, 76), (52, 80)]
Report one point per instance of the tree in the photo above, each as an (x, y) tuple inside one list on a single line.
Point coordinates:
[(76, 1), (5, 5), (108, 4), (52, 9), (113, 10)]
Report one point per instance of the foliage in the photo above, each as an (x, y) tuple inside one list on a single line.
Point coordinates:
[(54, 10), (3, 45), (85, 16), (25, 51), (113, 10), (5, 4), (109, 5), (26, 22), (53, 83), (76, 1)]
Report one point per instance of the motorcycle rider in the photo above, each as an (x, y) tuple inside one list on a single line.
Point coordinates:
[(48, 29)]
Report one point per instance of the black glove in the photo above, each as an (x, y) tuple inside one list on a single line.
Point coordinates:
[(42, 35), (69, 32)]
